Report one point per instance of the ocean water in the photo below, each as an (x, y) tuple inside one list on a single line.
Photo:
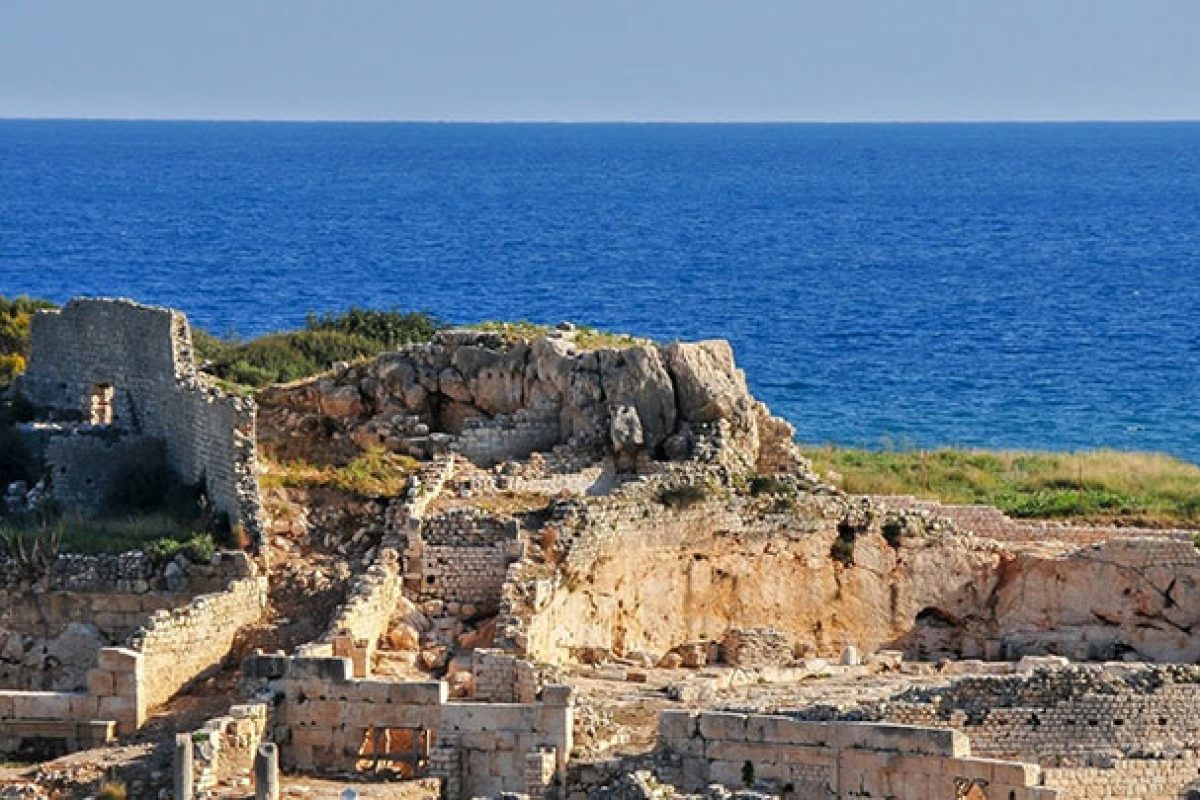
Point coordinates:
[(883, 285)]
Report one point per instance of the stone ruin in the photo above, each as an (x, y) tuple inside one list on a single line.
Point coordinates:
[(612, 575), (114, 388)]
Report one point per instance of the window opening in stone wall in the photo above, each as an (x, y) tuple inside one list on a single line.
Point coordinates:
[(401, 751), (99, 410)]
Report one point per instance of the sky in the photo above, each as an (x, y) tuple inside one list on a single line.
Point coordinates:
[(601, 60)]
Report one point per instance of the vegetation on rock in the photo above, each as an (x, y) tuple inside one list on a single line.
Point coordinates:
[(282, 357), (14, 334), (1102, 486)]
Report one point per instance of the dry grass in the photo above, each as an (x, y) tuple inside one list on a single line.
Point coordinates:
[(374, 473), (1096, 486), (586, 338)]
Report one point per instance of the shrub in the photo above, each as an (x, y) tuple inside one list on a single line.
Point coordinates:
[(15, 315), (113, 790), (390, 328), (682, 497)]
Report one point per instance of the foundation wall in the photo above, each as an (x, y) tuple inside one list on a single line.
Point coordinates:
[(837, 760), (327, 721)]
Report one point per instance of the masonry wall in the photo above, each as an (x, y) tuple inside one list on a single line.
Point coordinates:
[(49, 640), (145, 354), (181, 644), (464, 558), (487, 441), (327, 721), (88, 471), (1105, 718), (836, 760), (1128, 779)]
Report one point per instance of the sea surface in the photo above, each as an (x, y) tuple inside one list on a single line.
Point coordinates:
[(1010, 285)]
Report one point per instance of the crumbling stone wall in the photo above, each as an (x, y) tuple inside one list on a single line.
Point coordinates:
[(465, 556), (50, 631), (838, 759), (756, 647), (143, 357), (49, 640), (224, 747)]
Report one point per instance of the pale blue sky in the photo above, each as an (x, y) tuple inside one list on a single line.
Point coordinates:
[(602, 59)]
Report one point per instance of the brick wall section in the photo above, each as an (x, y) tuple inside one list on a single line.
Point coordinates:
[(1145, 779), (464, 557), (145, 354), (840, 759), (178, 645), (365, 615)]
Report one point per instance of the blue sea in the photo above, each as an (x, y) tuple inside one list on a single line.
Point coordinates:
[(1009, 285)]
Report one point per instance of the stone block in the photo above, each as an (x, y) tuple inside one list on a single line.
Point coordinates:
[(119, 659), (99, 682), (675, 726), (84, 707), (730, 727), (419, 693), (42, 705)]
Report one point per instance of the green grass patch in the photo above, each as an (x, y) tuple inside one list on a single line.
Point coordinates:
[(158, 535), (1102, 486), (374, 473), (288, 356)]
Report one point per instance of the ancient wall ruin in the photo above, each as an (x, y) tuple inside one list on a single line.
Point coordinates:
[(328, 721), (140, 357), (182, 643), (839, 759)]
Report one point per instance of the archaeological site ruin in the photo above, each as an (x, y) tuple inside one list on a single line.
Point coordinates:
[(597, 568)]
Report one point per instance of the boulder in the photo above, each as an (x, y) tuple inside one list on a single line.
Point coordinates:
[(708, 386), (636, 377)]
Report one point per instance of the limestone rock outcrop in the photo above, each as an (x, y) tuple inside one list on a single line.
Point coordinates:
[(493, 398)]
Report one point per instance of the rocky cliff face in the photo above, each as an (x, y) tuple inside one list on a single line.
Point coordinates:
[(832, 571), (495, 398)]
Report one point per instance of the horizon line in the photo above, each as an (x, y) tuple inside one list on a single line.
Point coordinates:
[(614, 121)]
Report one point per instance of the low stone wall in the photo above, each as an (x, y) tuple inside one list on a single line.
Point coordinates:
[(224, 747), (508, 437), (839, 760), (501, 677), (179, 645), (328, 721), (756, 647), (47, 724)]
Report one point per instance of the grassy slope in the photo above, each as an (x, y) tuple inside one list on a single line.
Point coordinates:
[(1097, 486)]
